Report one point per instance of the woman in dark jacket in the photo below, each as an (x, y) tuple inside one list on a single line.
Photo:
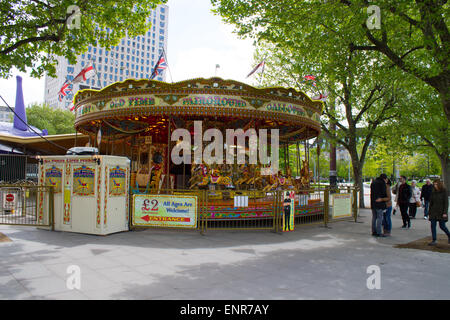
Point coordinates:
[(438, 210)]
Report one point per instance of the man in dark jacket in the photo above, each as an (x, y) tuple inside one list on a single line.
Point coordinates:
[(403, 196), (378, 191), (425, 195)]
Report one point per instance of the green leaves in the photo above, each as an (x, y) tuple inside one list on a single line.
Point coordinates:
[(56, 121), (33, 33)]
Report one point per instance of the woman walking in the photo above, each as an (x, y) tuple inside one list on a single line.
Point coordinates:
[(414, 202), (438, 210)]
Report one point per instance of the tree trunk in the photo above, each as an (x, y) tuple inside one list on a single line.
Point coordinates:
[(445, 166), (357, 172), (444, 93)]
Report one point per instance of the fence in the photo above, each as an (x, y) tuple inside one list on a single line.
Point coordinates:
[(260, 210), (26, 205), (14, 167)]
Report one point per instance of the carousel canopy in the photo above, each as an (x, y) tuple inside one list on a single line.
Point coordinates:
[(144, 107)]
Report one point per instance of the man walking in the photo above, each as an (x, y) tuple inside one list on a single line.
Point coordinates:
[(425, 195), (403, 196), (377, 192)]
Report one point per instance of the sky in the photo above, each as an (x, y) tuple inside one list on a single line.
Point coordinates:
[(198, 41)]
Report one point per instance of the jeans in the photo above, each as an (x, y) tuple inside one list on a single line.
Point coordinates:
[(427, 206), (412, 210), (377, 219), (387, 223), (441, 225), (404, 212)]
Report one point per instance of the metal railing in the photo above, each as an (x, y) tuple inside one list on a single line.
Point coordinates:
[(17, 167), (27, 205), (260, 210)]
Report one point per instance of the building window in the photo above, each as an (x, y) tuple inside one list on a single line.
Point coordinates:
[(161, 17), (163, 10)]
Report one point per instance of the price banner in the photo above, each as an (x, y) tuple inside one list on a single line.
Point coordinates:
[(165, 211)]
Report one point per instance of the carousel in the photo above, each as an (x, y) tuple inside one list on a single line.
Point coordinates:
[(136, 119)]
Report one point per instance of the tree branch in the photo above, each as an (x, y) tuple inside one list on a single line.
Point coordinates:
[(49, 37)]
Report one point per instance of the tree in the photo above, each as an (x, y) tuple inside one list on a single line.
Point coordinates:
[(361, 97), (421, 126), (34, 32), (413, 36), (56, 121)]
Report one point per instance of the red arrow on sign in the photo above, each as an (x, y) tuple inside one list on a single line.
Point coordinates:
[(146, 218)]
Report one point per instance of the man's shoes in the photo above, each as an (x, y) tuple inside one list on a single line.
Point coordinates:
[(403, 227), (432, 243), (425, 218)]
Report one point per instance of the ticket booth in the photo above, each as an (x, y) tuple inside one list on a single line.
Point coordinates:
[(90, 192)]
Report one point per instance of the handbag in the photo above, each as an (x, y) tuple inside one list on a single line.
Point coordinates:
[(142, 178), (418, 204)]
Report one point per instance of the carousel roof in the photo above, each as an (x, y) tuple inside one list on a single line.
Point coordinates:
[(144, 107)]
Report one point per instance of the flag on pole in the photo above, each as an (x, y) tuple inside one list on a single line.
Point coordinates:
[(85, 73), (64, 91), (310, 78), (322, 96), (259, 68), (160, 66)]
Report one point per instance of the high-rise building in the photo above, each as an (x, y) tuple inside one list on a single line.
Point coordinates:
[(132, 58)]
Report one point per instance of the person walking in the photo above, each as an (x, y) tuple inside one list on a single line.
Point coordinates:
[(438, 210), (377, 194), (403, 196), (394, 192), (387, 222), (425, 195), (414, 202)]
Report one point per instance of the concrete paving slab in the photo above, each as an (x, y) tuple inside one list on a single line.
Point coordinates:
[(310, 263)]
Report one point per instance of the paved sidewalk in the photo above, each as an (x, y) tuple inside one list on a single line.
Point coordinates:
[(311, 263)]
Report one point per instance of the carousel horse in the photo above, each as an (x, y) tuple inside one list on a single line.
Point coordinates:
[(245, 174), (200, 176), (304, 174), (216, 177)]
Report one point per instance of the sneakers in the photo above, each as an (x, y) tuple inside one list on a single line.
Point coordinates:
[(433, 243), (404, 227), (425, 218)]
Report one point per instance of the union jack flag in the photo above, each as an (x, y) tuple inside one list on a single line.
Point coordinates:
[(64, 91), (161, 65)]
